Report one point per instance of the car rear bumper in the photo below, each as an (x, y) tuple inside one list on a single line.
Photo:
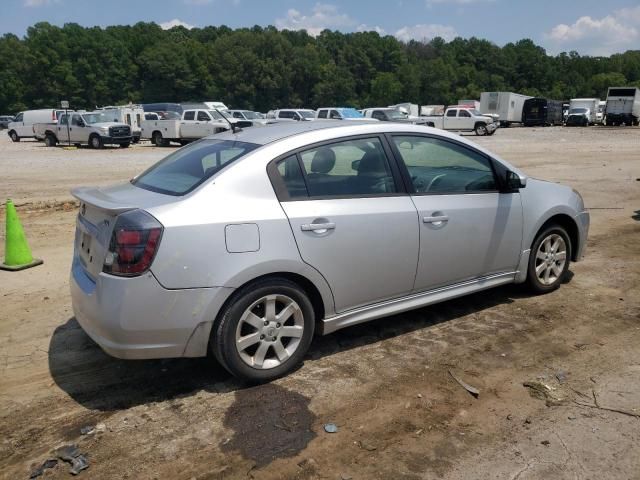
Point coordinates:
[(137, 318)]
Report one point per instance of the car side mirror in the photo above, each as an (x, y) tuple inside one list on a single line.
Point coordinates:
[(515, 181), (81, 123)]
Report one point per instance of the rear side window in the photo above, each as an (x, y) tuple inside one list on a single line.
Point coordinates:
[(322, 114), (349, 168), (190, 115), (286, 114), (437, 166), (188, 167), (289, 170), (451, 113)]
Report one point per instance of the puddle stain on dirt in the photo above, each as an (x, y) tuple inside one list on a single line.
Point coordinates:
[(268, 422)]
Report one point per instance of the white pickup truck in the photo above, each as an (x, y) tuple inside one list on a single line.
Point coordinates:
[(95, 129), (192, 125), (463, 119)]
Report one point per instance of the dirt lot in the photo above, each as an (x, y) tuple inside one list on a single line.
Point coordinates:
[(386, 385)]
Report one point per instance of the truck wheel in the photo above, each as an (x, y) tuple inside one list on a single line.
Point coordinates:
[(14, 136), (50, 141), (125, 145), (95, 142), (158, 141), (481, 129)]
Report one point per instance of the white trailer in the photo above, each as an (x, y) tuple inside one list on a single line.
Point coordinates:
[(507, 105), (132, 115), (475, 104), (589, 103), (623, 106)]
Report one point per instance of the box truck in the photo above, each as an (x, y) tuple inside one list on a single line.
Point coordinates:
[(623, 106), (507, 105)]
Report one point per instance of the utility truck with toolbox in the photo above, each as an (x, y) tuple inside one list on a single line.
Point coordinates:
[(132, 115), (86, 128), (192, 125), (463, 119), (623, 106)]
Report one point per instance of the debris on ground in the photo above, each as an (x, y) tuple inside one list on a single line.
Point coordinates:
[(50, 463), (71, 454), (469, 388), (543, 391), (561, 376), (597, 405), (369, 447), (88, 430), (330, 427)]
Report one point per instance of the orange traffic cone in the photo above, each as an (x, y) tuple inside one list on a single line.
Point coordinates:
[(17, 254)]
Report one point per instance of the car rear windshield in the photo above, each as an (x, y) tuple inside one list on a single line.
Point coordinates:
[(188, 167)]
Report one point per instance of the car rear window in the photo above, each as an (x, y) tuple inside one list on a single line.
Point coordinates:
[(188, 167)]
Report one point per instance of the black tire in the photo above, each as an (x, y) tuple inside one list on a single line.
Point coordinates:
[(50, 141), (95, 141), (158, 140), (14, 136), (223, 334), (77, 145), (125, 145), (534, 283), (481, 130)]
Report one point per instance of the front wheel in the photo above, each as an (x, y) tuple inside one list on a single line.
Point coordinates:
[(14, 136), (125, 145), (549, 259), (95, 142), (481, 130), (265, 331)]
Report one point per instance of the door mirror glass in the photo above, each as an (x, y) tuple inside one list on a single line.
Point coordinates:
[(515, 181)]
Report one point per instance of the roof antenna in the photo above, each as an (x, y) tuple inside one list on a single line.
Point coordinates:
[(234, 129)]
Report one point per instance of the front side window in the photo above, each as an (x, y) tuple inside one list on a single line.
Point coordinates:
[(188, 167), (335, 115), (18, 117), (438, 166), (348, 168), (464, 113), (285, 114), (203, 117), (76, 121)]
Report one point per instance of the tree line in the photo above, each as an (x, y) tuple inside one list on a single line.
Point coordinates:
[(263, 68)]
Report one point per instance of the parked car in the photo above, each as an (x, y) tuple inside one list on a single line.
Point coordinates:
[(507, 105), (602, 106), (242, 245), (390, 114), (88, 128), (190, 126), (254, 117), (290, 115), (5, 120), (22, 124), (578, 117), (341, 113), (541, 112), (463, 119), (623, 106)]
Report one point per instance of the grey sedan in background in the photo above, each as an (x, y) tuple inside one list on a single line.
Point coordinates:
[(242, 245)]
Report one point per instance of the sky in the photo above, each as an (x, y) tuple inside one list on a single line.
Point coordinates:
[(591, 27)]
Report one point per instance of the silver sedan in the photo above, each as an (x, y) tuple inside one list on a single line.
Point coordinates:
[(244, 244)]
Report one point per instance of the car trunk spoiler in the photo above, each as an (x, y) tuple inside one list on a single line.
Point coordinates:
[(94, 196)]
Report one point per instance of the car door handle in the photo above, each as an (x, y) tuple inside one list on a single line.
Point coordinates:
[(317, 227), (436, 219)]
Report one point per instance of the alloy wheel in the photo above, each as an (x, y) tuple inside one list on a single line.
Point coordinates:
[(551, 258), (269, 331)]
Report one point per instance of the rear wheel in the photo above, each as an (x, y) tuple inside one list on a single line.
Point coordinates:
[(158, 140), (549, 259), (265, 330), (14, 136), (50, 141), (95, 141), (125, 145)]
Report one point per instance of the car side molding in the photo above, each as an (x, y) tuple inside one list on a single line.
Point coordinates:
[(413, 301)]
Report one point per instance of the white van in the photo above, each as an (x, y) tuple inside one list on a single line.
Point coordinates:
[(22, 125)]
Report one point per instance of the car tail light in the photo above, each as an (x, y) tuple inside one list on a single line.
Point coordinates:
[(134, 243)]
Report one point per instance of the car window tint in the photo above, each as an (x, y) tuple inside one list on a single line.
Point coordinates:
[(18, 118), (191, 115), (463, 113), (438, 166), (76, 120), (188, 167), (203, 117), (289, 170), (352, 167), (286, 114), (335, 114), (451, 113), (322, 114)]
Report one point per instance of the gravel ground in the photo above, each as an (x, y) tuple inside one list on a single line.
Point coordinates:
[(386, 384)]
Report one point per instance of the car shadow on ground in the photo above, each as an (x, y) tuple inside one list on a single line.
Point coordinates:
[(636, 216), (100, 382)]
